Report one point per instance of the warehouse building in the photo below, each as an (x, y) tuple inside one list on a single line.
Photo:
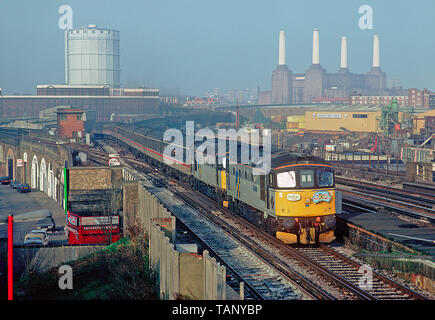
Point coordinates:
[(424, 122), (365, 120), (337, 118), (107, 103)]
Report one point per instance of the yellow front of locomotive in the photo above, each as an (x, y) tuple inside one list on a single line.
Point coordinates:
[(305, 203)]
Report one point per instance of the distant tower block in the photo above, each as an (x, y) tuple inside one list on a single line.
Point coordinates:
[(376, 59), (343, 60), (92, 56), (316, 56), (281, 57)]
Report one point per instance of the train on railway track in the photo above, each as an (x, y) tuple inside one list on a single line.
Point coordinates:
[(296, 201)]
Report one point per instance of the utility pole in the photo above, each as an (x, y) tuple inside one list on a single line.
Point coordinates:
[(10, 257), (379, 168)]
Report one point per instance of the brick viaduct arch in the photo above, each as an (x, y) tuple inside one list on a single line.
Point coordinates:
[(10, 161), (41, 165)]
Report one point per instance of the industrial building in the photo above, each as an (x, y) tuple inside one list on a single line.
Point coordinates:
[(70, 122), (324, 119), (317, 84), (424, 123), (127, 105), (281, 77), (92, 56), (355, 120), (92, 83)]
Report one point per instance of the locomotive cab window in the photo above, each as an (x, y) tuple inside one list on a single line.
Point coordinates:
[(325, 177), (286, 179), (306, 178)]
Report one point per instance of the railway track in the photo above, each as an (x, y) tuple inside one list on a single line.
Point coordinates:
[(378, 202), (424, 189), (264, 277), (25, 134), (379, 198), (379, 287), (263, 280), (323, 266), (417, 198), (325, 261)]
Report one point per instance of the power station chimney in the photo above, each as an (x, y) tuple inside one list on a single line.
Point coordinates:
[(281, 57), (316, 58), (376, 63), (343, 61)]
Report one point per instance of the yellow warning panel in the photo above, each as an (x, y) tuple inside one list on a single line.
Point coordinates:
[(286, 237), (327, 237), (224, 180)]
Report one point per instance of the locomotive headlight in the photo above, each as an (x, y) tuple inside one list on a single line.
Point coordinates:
[(293, 197)]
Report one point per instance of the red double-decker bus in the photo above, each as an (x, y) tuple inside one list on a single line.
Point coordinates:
[(86, 228)]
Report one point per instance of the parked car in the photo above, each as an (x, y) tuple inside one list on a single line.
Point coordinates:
[(5, 180), (37, 239), (43, 217), (24, 187), (14, 184), (41, 231), (47, 226)]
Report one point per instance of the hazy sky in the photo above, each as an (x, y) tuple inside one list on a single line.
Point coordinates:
[(189, 46)]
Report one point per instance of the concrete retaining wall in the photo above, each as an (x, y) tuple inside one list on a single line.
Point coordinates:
[(187, 275), (42, 259), (164, 260)]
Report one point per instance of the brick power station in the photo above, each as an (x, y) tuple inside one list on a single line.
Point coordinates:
[(317, 84)]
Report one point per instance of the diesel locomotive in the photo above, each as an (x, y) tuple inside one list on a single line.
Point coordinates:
[(296, 200)]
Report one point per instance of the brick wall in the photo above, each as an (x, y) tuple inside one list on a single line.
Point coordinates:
[(70, 126), (95, 189), (90, 178)]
